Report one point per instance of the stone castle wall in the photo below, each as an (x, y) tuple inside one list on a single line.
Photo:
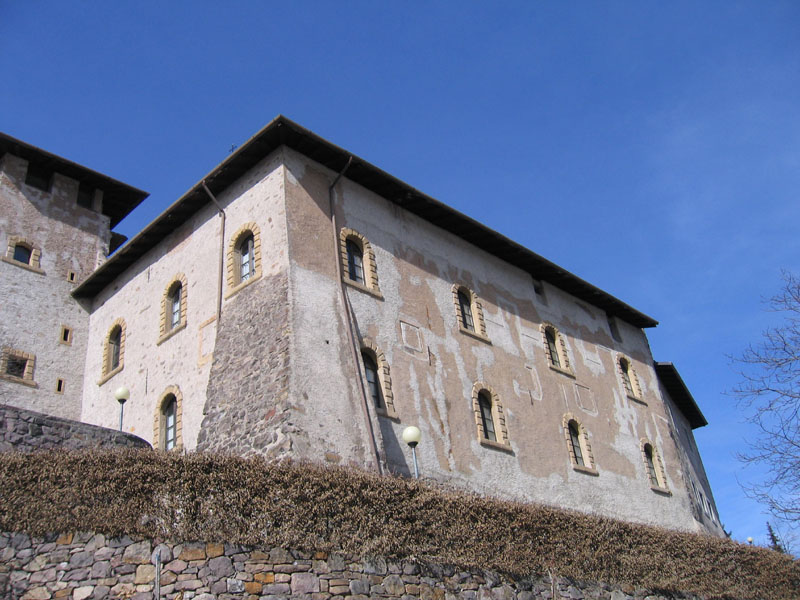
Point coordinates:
[(36, 301), (25, 431), (91, 566)]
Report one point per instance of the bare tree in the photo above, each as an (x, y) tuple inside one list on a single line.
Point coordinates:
[(770, 391)]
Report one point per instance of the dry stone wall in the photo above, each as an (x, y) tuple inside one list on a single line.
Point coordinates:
[(25, 430), (90, 566)]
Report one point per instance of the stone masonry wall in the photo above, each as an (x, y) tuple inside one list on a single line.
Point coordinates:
[(84, 566), (25, 431), (247, 406)]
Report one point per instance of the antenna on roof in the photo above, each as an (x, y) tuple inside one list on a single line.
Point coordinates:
[(233, 147)]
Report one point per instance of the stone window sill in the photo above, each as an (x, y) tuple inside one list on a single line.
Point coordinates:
[(569, 374), (363, 288), (22, 265), (241, 285), (496, 445), (660, 490), (586, 470), (386, 414), (170, 333), (20, 380), (110, 374), (474, 334)]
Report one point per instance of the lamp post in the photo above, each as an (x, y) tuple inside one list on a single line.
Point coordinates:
[(122, 394), (750, 541), (411, 436)]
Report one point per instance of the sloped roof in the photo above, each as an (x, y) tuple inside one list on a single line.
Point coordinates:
[(283, 131), (677, 390), (119, 198)]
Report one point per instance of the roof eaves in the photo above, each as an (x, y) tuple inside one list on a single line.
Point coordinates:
[(283, 131), (679, 392)]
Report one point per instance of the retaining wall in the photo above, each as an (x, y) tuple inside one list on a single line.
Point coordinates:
[(90, 566), (25, 431)]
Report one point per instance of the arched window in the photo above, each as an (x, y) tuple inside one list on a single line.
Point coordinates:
[(555, 349), (469, 312), (167, 422), (22, 254), (355, 262), (580, 451), (490, 417), (114, 347), (653, 466), (487, 422), (629, 380), (169, 414), (552, 349), (378, 378), (113, 351), (244, 258), (359, 267), (575, 441), (465, 304), (373, 381), (173, 308)]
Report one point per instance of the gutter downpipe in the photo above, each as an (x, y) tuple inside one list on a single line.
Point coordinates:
[(221, 250), (348, 313)]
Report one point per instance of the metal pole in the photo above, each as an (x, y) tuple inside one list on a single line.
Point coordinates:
[(157, 583), (121, 408), (416, 468)]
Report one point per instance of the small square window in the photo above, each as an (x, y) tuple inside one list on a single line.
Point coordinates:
[(59, 386), (16, 365), (39, 177), (66, 335), (71, 276)]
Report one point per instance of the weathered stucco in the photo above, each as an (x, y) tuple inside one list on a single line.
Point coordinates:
[(185, 359), (434, 365)]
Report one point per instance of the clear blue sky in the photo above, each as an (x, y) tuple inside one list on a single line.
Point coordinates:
[(650, 148)]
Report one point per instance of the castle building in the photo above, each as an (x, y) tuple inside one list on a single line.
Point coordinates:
[(299, 302)]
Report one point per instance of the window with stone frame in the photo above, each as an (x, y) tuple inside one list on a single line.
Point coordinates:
[(359, 267), (630, 382), (469, 312), (654, 468), (378, 378), (24, 253), (168, 420), (490, 417), (113, 351), (173, 308), (17, 366), (555, 349), (373, 382), (578, 447), (355, 262), (244, 258)]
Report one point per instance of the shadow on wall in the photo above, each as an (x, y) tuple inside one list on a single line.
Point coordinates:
[(393, 449)]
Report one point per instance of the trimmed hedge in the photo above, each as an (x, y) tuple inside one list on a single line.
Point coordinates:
[(310, 507)]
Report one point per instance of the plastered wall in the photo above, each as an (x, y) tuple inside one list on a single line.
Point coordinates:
[(183, 361), (435, 366), (36, 303)]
